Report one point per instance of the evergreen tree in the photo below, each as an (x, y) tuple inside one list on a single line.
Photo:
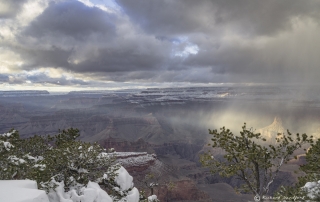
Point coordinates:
[(313, 160), (50, 160), (247, 158), (14, 162)]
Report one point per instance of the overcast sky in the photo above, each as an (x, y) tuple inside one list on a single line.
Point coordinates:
[(69, 44)]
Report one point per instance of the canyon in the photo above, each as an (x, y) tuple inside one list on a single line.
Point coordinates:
[(163, 131)]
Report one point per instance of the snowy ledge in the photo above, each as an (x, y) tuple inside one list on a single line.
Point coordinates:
[(21, 191)]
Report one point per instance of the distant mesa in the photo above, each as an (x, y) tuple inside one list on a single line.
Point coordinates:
[(88, 92), (19, 93)]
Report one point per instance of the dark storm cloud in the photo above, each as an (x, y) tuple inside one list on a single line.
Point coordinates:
[(207, 23), (76, 37), (73, 19), (53, 57), (174, 41), (249, 17), (164, 18), (10, 8), (291, 57), (120, 61), (107, 60)]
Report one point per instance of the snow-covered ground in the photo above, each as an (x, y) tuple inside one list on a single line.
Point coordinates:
[(27, 191), (21, 191)]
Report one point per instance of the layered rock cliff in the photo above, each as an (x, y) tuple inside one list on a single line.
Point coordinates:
[(135, 161)]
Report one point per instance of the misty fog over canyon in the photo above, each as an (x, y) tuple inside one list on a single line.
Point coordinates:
[(172, 123), (178, 114)]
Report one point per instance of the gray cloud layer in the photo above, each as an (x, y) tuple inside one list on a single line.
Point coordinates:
[(10, 8), (71, 19), (187, 16), (173, 41)]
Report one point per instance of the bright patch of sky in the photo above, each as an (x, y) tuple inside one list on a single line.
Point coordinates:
[(105, 5), (31, 10), (190, 49), (183, 48), (108, 3), (179, 40)]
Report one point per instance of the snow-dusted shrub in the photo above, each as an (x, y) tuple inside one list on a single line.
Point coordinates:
[(75, 162), (63, 165), (14, 161)]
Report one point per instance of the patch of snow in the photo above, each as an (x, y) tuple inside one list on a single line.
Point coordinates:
[(30, 157), (133, 195), (313, 189), (126, 154), (30, 184), (123, 179), (7, 145), (152, 198), (15, 160), (91, 193), (40, 166), (101, 195), (8, 134), (82, 170), (58, 194), (152, 184), (134, 159), (21, 191)]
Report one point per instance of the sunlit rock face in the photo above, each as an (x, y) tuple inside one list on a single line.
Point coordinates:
[(271, 132), (316, 134)]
